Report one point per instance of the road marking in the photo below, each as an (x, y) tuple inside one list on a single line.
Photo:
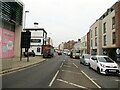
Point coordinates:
[(117, 80), (61, 65), (91, 79), (75, 65), (53, 78), (71, 83), (70, 72), (66, 65)]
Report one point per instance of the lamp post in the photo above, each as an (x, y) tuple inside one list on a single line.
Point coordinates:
[(25, 18), (21, 33)]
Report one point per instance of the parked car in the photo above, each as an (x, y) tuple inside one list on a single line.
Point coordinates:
[(59, 52), (32, 53), (85, 59), (103, 65)]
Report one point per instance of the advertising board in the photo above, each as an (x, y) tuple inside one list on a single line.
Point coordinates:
[(6, 43)]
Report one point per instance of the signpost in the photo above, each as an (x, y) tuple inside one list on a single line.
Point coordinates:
[(25, 43), (118, 54)]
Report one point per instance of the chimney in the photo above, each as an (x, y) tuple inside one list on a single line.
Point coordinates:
[(79, 40), (35, 24)]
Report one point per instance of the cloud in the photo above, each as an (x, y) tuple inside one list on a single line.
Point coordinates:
[(65, 19)]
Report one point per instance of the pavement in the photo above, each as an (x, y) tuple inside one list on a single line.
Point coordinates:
[(13, 64)]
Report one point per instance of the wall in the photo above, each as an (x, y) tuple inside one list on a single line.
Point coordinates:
[(88, 43), (17, 45), (97, 25), (108, 20), (117, 20)]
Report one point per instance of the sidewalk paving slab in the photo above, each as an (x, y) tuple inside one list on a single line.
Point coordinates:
[(13, 64)]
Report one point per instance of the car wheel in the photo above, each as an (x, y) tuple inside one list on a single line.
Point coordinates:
[(84, 63), (98, 70), (89, 66), (80, 62)]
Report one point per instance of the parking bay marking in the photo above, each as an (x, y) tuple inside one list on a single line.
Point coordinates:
[(66, 65), (61, 65), (71, 83), (53, 78), (91, 79), (71, 72), (75, 65)]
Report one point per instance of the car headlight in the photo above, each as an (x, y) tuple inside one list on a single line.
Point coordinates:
[(102, 65), (118, 66)]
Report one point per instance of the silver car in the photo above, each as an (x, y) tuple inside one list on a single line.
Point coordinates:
[(85, 59)]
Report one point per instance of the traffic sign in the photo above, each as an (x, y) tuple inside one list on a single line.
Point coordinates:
[(25, 39)]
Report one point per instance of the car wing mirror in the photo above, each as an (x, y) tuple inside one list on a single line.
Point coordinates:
[(94, 58)]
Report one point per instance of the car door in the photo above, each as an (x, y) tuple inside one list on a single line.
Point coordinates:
[(93, 62)]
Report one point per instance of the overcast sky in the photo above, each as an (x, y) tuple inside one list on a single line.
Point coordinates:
[(65, 19)]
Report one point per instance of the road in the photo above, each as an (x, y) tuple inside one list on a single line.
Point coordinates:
[(59, 72)]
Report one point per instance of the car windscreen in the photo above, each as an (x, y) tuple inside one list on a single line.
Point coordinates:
[(87, 56), (105, 59)]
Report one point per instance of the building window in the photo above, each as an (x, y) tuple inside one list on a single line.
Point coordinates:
[(91, 43), (104, 27), (91, 33), (105, 40), (113, 23), (96, 31), (95, 41), (113, 38)]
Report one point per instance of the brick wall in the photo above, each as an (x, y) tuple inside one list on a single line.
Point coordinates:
[(88, 43), (117, 20)]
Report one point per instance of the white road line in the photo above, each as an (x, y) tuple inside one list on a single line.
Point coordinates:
[(91, 79), (117, 80), (75, 65), (71, 72), (53, 79), (61, 65), (71, 83), (66, 66)]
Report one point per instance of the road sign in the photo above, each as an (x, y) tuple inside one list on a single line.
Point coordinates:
[(25, 39), (118, 51)]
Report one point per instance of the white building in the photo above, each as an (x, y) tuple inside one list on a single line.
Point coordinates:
[(95, 37), (38, 38)]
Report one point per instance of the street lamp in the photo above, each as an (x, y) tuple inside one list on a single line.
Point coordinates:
[(21, 35), (25, 18)]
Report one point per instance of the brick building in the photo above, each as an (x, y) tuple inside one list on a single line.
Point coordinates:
[(69, 45)]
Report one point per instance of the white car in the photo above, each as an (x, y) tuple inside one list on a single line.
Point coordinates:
[(85, 59), (103, 65)]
